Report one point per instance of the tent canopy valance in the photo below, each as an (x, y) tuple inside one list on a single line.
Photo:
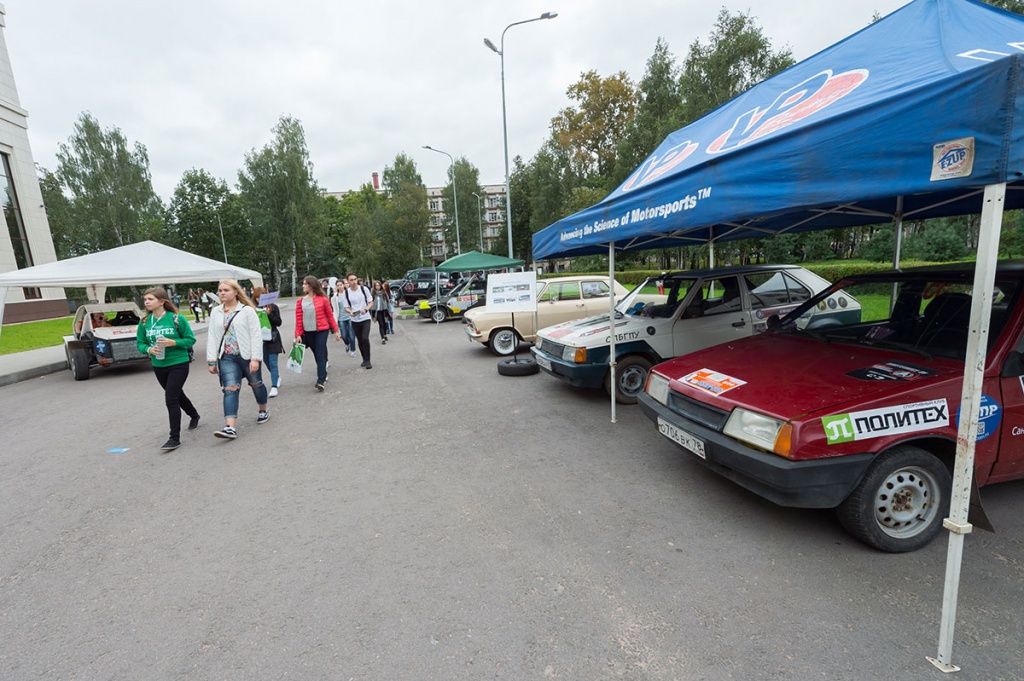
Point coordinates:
[(923, 105)]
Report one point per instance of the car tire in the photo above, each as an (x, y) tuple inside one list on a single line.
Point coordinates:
[(78, 362), (438, 315), (517, 366), (900, 502), (504, 341), (630, 376)]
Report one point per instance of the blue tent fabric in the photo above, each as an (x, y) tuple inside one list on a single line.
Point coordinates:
[(926, 104)]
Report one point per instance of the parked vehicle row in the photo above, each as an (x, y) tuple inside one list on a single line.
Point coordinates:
[(811, 395), (559, 299), (698, 308), (470, 293)]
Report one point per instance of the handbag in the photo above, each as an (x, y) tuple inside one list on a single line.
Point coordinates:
[(295, 356)]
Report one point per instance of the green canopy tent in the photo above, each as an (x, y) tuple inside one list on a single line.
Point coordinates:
[(470, 261)]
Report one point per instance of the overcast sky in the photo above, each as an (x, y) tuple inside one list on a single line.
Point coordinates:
[(201, 82)]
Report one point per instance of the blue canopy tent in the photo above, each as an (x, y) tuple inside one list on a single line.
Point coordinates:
[(918, 115)]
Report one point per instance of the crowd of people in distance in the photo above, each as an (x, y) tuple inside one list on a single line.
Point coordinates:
[(244, 336)]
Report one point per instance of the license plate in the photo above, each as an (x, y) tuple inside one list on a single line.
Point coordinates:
[(543, 362), (682, 438)]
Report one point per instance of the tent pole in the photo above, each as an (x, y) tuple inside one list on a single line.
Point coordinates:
[(899, 232), (970, 401), (897, 244), (611, 322)]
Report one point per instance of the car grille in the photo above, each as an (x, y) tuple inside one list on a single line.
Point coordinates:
[(550, 347), (124, 350), (697, 411)]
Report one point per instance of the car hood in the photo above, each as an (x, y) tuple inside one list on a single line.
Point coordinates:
[(578, 332), (789, 377)]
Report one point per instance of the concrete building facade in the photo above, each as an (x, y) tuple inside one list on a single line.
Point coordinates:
[(26, 241)]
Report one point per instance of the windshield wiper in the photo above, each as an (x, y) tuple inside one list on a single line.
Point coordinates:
[(876, 342)]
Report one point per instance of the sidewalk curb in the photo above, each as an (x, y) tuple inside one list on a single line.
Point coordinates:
[(34, 372)]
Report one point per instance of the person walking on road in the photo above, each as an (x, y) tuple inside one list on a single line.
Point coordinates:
[(344, 320), (234, 348), (314, 318), (166, 337), (357, 304), (272, 347), (380, 309)]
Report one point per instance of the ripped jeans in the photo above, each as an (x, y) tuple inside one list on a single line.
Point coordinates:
[(232, 368)]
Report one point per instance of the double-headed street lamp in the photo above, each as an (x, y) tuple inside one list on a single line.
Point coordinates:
[(480, 216), (504, 118), (455, 192)]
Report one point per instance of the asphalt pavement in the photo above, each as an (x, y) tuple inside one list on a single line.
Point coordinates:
[(430, 519)]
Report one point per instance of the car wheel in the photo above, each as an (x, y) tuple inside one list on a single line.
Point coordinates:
[(439, 314), (517, 367), (504, 342), (900, 503), (630, 378), (78, 362)]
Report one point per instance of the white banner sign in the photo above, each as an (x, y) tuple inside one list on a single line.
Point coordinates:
[(512, 292)]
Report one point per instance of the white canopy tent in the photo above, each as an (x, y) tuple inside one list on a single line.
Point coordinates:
[(138, 264)]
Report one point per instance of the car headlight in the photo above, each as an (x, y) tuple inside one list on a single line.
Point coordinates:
[(573, 354), (657, 388), (753, 428)]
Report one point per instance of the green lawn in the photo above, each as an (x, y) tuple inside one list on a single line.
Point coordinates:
[(33, 335)]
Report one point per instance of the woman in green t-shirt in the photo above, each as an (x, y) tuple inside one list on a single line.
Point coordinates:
[(166, 337)]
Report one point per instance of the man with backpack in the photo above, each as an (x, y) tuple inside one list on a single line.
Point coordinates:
[(357, 301)]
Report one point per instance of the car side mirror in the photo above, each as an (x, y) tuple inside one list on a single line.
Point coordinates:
[(1012, 366), (773, 321)]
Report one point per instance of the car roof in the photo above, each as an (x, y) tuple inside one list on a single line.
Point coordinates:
[(723, 271), (964, 271), (575, 277)]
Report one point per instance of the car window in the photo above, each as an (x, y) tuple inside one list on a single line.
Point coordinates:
[(595, 289), (563, 290), (719, 296), (771, 289)]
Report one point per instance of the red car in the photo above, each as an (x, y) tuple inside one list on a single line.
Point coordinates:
[(858, 415)]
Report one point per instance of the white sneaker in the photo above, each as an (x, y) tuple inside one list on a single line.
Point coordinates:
[(351, 353), (273, 392)]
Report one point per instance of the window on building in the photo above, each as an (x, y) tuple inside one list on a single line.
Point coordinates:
[(492, 216), (12, 213), (434, 204), (15, 223)]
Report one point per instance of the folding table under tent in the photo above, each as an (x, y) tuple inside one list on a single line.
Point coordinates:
[(918, 115)]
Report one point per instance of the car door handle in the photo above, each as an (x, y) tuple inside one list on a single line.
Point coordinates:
[(740, 323)]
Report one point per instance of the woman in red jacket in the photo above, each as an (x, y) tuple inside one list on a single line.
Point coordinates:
[(313, 319)]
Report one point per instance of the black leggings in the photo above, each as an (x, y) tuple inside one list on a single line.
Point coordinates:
[(382, 322), (362, 333), (172, 380)]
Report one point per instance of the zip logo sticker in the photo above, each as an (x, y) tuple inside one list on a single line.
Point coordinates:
[(895, 420)]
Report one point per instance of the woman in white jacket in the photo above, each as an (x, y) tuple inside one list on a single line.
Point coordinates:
[(234, 348)]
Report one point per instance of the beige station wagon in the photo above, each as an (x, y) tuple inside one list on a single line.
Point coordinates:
[(559, 299)]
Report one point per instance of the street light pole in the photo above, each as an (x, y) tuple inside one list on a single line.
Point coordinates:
[(504, 118), (455, 192), (222, 245), (480, 217)]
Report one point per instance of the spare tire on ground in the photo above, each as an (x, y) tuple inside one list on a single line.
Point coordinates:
[(517, 367)]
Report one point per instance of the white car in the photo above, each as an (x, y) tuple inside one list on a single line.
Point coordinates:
[(108, 342), (697, 309), (559, 299)]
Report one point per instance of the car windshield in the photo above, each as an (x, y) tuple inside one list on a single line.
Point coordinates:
[(656, 296), (910, 312)]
